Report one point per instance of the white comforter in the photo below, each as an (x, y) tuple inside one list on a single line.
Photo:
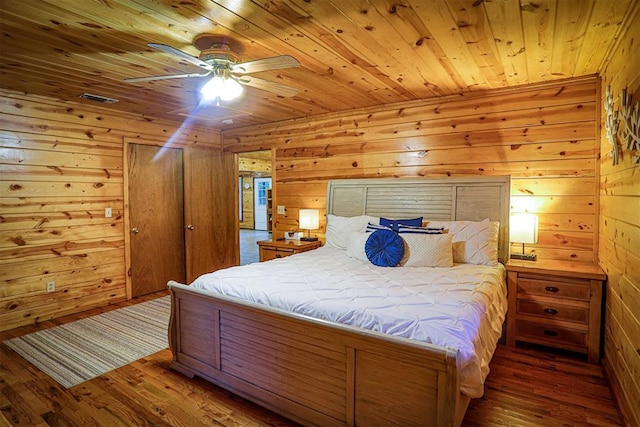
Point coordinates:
[(462, 307)]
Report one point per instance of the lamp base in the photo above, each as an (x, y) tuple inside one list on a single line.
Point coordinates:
[(309, 239), (526, 257)]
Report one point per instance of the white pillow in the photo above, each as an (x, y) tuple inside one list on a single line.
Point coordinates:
[(427, 250), (339, 228), (474, 242), (355, 245)]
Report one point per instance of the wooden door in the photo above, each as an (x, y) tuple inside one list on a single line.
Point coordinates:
[(211, 211), (260, 212), (156, 217)]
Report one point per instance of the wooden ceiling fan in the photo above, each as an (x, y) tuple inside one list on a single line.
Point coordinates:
[(224, 67)]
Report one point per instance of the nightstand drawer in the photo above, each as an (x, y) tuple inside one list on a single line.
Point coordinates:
[(270, 253), (552, 335), (540, 286), (553, 310), (272, 249)]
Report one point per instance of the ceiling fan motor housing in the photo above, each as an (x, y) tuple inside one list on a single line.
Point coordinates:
[(217, 56)]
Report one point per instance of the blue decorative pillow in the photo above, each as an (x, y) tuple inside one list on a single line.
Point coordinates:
[(384, 248), (394, 223)]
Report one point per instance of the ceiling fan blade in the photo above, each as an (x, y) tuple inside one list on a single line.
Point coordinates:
[(277, 88), (266, 64), (181, 54), (165, 77)]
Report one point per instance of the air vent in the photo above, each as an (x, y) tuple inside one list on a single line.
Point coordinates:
[(99, 98)]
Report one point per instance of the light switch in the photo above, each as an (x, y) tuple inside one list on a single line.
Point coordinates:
[(281, 209), (107, 212)]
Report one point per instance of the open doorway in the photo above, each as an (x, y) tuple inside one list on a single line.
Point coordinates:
[(255, 179)]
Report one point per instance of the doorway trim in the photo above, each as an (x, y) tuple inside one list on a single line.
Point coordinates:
[(127, 221), (272, 175), (273, 181)]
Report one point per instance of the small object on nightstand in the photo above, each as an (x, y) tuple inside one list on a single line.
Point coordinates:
[(556, 304), (523, 228), (292, 235), (272, 249)]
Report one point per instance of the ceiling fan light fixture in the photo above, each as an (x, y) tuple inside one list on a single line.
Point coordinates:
[(218, 59), (225, 89)]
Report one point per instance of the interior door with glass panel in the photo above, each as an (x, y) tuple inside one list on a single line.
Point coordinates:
[(261, 185)]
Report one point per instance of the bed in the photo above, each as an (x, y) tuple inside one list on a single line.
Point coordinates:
[(310, 337)]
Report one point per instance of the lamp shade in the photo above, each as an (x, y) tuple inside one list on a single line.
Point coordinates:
[(309, 219), (523, 228)]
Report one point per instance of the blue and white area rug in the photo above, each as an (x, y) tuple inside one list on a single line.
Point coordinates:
[(78, 351)]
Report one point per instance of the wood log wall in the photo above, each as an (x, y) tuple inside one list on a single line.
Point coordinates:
[(247, 201), (619, 240), (61, 165), (545, 136)]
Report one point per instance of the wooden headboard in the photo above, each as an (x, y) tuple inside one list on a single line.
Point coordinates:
[(471, 198)]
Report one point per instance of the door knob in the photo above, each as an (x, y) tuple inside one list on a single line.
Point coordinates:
[(189, 227), (135, 230)]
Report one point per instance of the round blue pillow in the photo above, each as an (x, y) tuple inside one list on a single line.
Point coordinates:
[(384, 248)]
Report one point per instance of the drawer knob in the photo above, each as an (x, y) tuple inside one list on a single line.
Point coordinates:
[(550, 333), (551, 311), (551, 289)]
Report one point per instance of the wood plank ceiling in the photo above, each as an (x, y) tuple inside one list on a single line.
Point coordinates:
[(353, 53)]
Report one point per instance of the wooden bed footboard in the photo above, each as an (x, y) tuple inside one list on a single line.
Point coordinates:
[(311, 371)]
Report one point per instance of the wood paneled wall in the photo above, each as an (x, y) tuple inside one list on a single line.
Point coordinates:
[(61, 165), (619, 241), (545, 136), (247, 201)]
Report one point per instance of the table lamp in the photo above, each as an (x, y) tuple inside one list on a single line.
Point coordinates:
[(309, 220), (523, 228)]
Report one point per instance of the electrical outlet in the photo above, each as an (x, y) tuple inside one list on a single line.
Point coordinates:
[(107, 212), (281, 210), (51, 286)]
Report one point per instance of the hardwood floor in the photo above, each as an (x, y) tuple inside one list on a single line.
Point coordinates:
[(526, 387), (249, 251), (529, 387)]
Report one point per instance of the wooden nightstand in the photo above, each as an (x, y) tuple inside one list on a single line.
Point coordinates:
[(556, 303), (271, 249)]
